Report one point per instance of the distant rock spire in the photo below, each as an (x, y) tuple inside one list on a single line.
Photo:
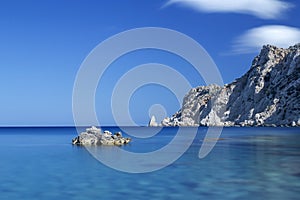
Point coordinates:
[(152, 121)]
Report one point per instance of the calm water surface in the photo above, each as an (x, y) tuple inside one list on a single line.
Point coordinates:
[(248, 163)]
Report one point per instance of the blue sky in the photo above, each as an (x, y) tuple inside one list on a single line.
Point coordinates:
[(43, 44)]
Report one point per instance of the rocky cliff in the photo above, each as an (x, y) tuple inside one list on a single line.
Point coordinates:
[(267, 95)]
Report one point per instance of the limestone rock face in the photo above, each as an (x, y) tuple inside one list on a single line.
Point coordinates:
[(94, 136), (267, 95), (153, 122)]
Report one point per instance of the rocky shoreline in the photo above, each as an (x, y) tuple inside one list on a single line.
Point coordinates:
[(267, 95)]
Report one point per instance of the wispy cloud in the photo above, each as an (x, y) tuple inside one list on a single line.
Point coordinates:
[(265, 9), (252, 40)]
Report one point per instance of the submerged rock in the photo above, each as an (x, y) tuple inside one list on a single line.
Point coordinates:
[(94, 136)]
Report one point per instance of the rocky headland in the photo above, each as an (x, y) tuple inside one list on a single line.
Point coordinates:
[(267, 95)]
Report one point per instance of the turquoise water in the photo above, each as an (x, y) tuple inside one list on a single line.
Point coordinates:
[(248, 163)]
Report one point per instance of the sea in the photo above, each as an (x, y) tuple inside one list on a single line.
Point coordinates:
[(245, 163)]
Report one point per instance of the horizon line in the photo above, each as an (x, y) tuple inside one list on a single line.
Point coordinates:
[(54, 126)]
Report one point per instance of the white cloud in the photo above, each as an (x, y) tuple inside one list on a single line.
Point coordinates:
[(252, 40), (266, 9)]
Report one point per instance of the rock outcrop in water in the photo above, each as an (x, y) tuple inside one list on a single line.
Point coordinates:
[(153, 122), (94, 136), (267, 95)]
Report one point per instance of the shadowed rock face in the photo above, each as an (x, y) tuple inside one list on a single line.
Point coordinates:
[(267, 95)]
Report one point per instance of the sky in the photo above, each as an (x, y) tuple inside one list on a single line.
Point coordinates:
[(44, 43)]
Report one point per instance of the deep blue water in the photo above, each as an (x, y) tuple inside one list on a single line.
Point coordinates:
[(248, 163)]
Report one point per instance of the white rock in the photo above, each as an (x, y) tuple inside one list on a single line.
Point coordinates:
[(268, 94), (93, 136), (152, 121)]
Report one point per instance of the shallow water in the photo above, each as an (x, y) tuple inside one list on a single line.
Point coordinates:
[(247, 163)]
